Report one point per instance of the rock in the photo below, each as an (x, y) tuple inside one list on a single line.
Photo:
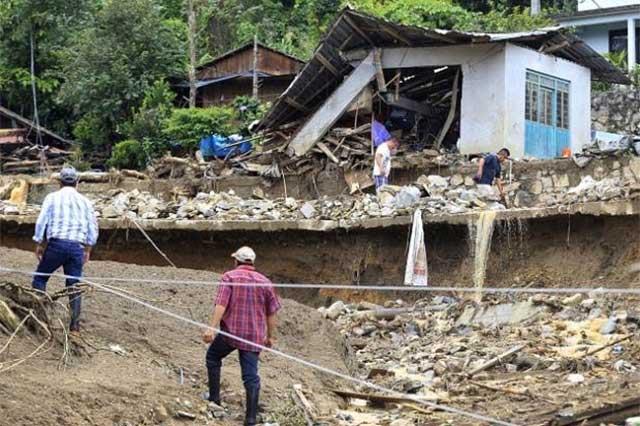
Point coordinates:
[(572, 300), (160, 413), (457, 180), (109, 212), (547, 184), (407, 197), (488, 192), (291, 203), (334, 311), (561, 181), (632, 421), (609, 327), (307, 210), (575, 378), (468, 181), (588, 303), (536, 187), (634, 166), (401, 422)]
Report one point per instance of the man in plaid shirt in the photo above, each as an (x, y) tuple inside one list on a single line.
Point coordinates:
[(246, 307)]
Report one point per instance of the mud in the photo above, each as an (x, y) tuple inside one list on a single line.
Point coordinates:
[(110, 389), (563, 250)]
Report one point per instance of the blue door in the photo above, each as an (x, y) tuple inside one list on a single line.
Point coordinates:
[(546, 116)]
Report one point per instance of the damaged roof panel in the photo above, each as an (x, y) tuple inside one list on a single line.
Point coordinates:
[(354, 30)]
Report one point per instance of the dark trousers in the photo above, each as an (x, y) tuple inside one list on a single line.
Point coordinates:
[(69, 255), (218, 350)]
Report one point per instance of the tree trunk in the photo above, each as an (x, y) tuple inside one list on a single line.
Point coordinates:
[(255, 66), (191, 18), (535, 7)]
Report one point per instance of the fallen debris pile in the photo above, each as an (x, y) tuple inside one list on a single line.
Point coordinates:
[(539, 360)]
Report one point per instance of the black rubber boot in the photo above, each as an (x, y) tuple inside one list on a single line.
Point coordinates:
[(251, 417), (214, 385)]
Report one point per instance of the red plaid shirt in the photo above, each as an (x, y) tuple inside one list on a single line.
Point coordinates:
[(247, 307)]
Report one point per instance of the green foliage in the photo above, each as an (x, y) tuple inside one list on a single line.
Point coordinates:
[(448, 15), (188, 126), (619, 60), (248, 110), (111, 65), (292, 26), (128, 154)]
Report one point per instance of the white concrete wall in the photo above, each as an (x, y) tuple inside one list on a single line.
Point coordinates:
[(597, 4), (597, 36), (518, 60), (483, 103)]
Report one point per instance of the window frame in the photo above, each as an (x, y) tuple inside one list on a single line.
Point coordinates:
[(547, 100)]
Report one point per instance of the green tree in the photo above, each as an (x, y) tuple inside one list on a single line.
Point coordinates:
[(113, 63), (50, 24)]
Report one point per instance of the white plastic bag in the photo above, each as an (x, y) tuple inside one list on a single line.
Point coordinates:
[(416, 272)]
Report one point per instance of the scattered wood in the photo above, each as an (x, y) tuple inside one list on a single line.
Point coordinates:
[(327, 152), (7, 317), (452, 111), (307, 408), (496, 360), (379, 399), (615, 413), (608, 345)]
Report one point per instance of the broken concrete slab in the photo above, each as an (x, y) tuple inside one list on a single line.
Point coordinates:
[(502, 314)]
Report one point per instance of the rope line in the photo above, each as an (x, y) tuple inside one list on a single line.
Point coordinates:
[(151, 241), (495, 290), (306, 363)]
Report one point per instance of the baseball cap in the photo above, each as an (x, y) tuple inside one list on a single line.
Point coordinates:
[(245, 254), (68, 175)]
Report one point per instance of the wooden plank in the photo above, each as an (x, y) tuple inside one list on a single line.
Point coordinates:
[(328, 65), (611, 414), (496, 360), (290, 101), (327, 152), (452, 112), (406, 103), (396, 35), (357, 29), (376, 398), (382, 86), (333, 107)]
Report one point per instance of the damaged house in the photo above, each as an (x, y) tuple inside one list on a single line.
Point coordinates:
[(529, 91), (232, 74)]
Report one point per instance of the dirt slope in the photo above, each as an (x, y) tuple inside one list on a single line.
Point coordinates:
[(143, 385)]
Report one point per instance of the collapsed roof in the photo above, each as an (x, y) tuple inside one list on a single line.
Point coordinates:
[(355, 30)]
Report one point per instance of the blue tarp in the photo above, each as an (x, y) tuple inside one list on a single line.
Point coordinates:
[(223, 147)]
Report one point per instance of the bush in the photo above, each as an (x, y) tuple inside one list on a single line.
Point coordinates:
[(249, 110), (128, 154), (188, 126)]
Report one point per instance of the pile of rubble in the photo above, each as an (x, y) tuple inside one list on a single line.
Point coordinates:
[(433, 194), (534, 360)]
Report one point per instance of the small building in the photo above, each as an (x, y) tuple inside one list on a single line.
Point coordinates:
[(231, 75), (529, 91), (608, 26)]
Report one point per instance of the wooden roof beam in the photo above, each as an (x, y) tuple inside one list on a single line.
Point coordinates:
[(357, 29)]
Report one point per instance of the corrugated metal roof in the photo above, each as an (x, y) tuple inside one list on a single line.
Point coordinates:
[(210, 81), (355, 30), (245, 47)]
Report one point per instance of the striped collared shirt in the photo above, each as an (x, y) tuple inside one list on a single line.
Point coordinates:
[(67, 215)]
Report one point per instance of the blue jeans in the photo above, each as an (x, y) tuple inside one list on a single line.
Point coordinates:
[(69, 255), (380, 181), (218, 350)]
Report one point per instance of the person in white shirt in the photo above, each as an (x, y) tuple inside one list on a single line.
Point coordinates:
[(69, 222), (382, 162)]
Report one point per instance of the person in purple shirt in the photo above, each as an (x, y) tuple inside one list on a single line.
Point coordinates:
[(379, 133)]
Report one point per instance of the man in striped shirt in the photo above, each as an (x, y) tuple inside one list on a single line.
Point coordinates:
[(68, 222), (246, 307)]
